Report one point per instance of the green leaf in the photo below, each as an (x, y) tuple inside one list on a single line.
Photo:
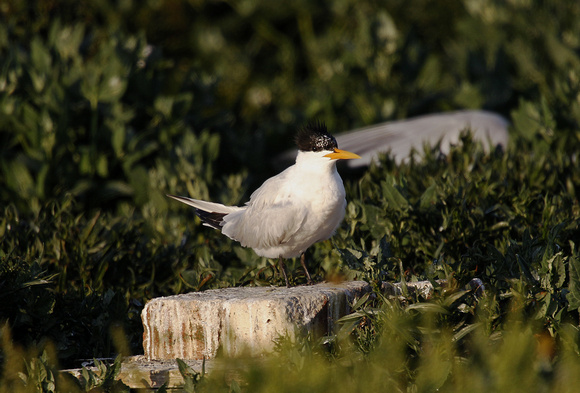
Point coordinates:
[(360, 301), (454, 297), (429, 197), (351, 257), (118, 140), (67, 39), (40, 55), (573, 295), (394, 197), (184, 369), (427, 307), (466, 330)]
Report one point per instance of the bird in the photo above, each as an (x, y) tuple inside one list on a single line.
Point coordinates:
[(289, 212)]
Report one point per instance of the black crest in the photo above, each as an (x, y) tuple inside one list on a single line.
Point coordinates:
[(314, 137)]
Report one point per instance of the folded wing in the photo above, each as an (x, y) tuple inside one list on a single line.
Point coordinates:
[(262, 227)]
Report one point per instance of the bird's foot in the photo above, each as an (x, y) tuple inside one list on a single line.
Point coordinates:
[(283, 268), (303, 263)]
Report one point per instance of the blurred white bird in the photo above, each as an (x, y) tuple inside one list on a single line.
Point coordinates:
[(401, 137), (291, 211)]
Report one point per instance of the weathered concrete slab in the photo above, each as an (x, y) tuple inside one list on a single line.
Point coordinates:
[(241, 320), (139, 373), (248, 320), (167, 320)]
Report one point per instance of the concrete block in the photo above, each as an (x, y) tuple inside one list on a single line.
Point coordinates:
[(148, 375), (194, 325), (244, 320)]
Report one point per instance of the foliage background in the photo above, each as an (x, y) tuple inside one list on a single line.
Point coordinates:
[(106, 106)]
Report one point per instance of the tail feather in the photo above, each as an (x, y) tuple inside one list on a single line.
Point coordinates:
[(210, 213)]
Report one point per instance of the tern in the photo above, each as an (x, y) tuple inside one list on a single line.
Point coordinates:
[(291, 211)]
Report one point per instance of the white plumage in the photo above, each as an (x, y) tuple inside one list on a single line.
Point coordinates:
[(291, 211)]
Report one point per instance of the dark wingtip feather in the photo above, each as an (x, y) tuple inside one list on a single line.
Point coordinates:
[(212, 219)]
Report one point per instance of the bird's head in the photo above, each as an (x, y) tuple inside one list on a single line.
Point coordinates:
[(314, 137)]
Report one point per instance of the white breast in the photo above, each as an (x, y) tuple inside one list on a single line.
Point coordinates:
[(290, 212)]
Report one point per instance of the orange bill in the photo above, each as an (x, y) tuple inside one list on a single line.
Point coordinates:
[(341, 155)]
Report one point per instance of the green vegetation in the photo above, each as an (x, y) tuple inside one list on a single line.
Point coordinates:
[(106, 106)]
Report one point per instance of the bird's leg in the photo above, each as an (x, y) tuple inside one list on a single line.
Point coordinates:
[(282, 267), (305, 270)]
